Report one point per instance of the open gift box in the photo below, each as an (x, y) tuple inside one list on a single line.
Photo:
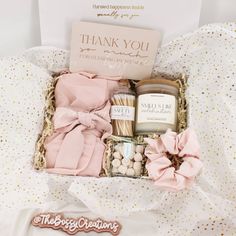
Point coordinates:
[(211, 98), (77, 117), (40, 161)]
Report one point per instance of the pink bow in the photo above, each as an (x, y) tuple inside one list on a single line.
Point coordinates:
[(184, 145), (65, 119), (79, 129)]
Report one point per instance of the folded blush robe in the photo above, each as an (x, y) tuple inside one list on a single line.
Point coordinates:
[(81, 123)]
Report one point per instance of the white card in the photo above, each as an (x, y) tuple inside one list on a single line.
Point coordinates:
[(171, 18)]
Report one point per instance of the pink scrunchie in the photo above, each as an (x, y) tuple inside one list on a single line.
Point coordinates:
[(159, 167), (81, 123)]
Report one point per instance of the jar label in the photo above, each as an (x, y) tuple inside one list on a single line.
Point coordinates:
[(156, 107), (122, 113)]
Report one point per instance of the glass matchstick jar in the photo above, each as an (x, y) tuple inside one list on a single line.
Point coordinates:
[(123, 110)]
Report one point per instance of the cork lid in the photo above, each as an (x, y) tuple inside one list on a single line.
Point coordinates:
[(158, 80)]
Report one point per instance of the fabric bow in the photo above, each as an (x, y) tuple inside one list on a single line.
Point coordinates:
[(184, 145), (75, 126), (65, 119)]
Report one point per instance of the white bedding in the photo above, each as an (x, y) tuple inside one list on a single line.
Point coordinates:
[(208, 57)]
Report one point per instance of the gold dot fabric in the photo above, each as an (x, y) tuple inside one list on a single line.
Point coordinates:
[(208, 57)]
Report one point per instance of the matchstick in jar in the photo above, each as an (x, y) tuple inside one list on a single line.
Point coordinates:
[(123, 110)]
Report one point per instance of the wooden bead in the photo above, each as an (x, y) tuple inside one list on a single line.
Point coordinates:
[(139, 148), (137, 172), (122, 169), (138, 156), (125, 162), (130, 172), (137, 165), (118, 147), (116, 163), (117, 155), (131, 163)]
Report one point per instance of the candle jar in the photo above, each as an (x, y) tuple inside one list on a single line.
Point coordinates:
[(157, 104)]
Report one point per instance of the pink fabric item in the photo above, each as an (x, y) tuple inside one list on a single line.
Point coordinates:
[(81, 123), (159, 167)]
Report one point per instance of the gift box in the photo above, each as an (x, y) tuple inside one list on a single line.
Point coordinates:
[(131, 146)]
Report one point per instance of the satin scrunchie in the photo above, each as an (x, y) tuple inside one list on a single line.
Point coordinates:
[(184, 145)]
